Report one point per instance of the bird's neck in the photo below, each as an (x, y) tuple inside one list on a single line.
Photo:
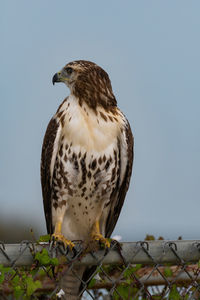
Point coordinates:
[(94, 98)]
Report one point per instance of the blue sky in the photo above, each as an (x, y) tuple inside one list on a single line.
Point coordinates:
[(151, 50)]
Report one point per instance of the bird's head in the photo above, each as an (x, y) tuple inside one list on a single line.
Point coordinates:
[(68, 75), (88, 82)]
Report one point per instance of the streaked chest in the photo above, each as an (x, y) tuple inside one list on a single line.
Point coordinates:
[(87, 162)]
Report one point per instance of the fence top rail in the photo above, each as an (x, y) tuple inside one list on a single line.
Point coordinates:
[(142, 252)]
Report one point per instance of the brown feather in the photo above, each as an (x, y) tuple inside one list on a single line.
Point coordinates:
[(47, 150), (93, 85), (119, 194)]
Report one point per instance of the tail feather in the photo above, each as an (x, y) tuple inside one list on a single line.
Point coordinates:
[(70, 283)]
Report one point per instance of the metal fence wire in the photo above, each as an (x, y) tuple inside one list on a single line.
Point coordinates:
[(136, 270)]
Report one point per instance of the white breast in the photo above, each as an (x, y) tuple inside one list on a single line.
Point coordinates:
[(84, 128)]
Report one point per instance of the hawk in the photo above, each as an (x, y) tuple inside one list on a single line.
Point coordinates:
[(87, 157)]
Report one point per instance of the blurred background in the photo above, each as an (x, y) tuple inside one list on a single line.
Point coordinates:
[(151, 50)]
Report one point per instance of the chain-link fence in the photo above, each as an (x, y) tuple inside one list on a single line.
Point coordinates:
[(140, 270)]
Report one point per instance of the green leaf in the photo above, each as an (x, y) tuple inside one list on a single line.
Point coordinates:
[(7, 269), (42, 273), (33, 272), (128, 273), (137, 267), (128, 281), (43, 257), (199, 264), (54, 261), (174, 294), (45, 260), (132, 270), (18, 292), (123, 292), (2, 277), (44, 238), (32, 286), (168, 272), (15, 280), (91, 283)]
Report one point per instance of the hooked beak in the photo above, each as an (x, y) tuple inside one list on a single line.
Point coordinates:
[(56, 78)]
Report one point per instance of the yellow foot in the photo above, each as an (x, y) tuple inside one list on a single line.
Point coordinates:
[(99, 237), (58, 237)]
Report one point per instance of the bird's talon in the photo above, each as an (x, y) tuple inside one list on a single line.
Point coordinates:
[(102, 240), (57, 237)]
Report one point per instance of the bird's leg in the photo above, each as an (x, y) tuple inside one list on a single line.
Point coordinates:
[(97, 236), (58, 236)]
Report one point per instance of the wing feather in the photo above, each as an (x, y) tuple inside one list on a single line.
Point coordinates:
[(49, 152), (119, 194)]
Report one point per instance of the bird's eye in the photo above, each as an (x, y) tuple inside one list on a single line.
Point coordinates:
[(69, 70)]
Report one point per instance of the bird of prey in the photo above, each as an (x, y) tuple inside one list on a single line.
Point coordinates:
[(87, 157)]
